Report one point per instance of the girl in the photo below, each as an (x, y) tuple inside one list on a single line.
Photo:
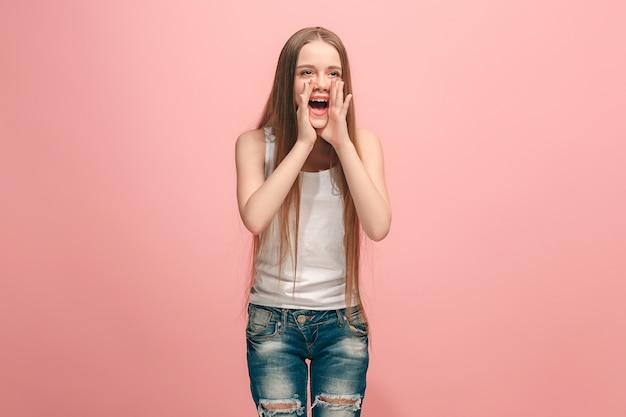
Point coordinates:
[(308, 182)]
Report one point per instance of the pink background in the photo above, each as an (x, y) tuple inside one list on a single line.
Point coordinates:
[(499, 291)]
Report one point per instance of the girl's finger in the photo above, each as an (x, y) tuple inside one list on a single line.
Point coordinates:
[(346, 104), (306, 93), (340, 92), (331, 94)]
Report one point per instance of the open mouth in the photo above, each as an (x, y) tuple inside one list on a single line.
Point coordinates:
[(318, 104)]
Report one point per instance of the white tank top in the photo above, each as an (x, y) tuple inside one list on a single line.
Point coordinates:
[(320, 279)]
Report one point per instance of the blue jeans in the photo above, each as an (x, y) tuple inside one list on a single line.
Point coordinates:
[(279, 342)]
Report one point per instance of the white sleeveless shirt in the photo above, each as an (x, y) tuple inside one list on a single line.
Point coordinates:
[(320, 276)]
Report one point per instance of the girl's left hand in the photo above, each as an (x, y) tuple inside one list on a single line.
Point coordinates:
[(336, 130)]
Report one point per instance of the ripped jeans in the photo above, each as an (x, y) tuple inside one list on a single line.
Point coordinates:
[(279, 341)]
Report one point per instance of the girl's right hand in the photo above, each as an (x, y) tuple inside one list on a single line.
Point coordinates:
[(306, 132)]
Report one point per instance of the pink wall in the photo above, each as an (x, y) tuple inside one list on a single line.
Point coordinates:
[(499, 292)]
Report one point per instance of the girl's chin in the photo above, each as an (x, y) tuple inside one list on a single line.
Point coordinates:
[(319, 123)]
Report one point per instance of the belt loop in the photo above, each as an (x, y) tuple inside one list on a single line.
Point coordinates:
[(283, 328), (340, 317)]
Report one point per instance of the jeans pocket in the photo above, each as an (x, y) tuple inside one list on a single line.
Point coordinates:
[(262, 323), (356, 321)]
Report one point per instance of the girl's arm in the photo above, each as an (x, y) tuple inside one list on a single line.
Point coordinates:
[(365, 175), (364, 169), (259, 199)]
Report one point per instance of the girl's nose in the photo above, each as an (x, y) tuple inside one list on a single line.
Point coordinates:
[(321, 83)]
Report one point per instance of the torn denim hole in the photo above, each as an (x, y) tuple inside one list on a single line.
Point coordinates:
[(338, 402), (265, 408)]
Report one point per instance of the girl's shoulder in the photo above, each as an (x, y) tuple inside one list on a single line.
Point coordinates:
[(250, 147), (255, 137), (253, 152), (251, 140), (365, 135), (367, 142)]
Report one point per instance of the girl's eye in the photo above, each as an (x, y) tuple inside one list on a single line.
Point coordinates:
[(335, 74), (306, 72)]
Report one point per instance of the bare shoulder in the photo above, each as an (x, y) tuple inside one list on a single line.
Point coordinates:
[(250, 151), (251, 139), (366, 134), (368, 143)]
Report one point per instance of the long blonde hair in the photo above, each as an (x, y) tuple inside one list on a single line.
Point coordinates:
[(280, 115)]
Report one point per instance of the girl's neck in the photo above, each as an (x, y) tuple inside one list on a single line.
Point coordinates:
[(321, 158)]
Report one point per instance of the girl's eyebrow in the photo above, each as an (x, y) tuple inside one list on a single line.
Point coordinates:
[(332, 67)]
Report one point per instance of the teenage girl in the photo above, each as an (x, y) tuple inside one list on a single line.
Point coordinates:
[(308, 183)]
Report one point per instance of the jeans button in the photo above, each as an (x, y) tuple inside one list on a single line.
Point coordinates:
[(301, 319)]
